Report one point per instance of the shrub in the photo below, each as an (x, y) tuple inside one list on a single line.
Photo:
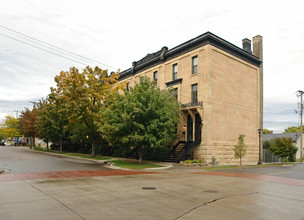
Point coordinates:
[(283, 147)]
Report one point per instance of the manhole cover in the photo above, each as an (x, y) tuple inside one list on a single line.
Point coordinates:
[(149, 188), (210, 191)]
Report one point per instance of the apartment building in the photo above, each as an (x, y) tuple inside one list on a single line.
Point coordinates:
[(219, 87)]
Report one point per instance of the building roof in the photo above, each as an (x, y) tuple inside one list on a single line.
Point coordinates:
[(294, 136), (153, 59)]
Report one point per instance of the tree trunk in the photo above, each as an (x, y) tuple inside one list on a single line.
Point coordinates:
[(93, 148), (140, 155), (31, 143), (32, 146), (60, 146), (47, 145), (240, 161)]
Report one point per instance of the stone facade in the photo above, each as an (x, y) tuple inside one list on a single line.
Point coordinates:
[(227, 101)]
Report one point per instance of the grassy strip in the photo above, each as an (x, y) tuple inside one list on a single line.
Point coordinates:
[(87, 156), (238, 167), (220, 167), (134, 165), (76, 154)]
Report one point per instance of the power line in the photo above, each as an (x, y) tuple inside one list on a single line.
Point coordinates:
[(53, 47), (43, 49)]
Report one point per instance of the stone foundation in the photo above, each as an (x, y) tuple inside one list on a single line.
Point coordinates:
[(224, 154)]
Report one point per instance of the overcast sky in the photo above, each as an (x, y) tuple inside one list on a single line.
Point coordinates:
[(116, 33)]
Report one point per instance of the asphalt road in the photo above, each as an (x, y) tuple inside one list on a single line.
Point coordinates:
[(23, 160), (173, 194)]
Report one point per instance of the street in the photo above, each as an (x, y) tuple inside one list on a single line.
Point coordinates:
[(21, 160), (175, 193)]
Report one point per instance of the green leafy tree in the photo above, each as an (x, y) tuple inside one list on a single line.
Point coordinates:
[(283, 147), (10, 127), (81, 96), (266, 144), (266, 131), (292, 129), (51, 121), (1, 135), (240, 149), (145, 116)]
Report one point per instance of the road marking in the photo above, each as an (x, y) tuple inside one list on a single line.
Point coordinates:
[(279, 173)]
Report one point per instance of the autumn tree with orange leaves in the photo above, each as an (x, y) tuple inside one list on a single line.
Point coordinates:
[(82, 95), (28, 121)]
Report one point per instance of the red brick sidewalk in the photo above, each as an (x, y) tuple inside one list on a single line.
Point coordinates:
[(66, 174), (272, 179)]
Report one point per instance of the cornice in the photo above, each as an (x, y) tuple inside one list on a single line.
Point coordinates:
[(164, 54)]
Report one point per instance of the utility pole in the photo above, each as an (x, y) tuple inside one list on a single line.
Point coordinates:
[(16, 113), (300, 94)]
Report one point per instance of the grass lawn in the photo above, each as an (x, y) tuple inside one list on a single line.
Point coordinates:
[(245, 166), (220, 167), (86, 156), (134, 164), (76, 154)]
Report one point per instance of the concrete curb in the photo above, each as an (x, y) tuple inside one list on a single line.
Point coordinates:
[(165, 166)]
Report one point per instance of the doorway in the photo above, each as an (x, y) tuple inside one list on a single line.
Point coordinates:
[(198, 127), (189, 128)]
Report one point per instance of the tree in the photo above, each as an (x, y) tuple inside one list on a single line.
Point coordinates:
[(28, 121), (80, 97), (51, 121), (143, 117), (266, 131), (1, 136), (292, 129), (266, 144), (10, 127), (240, 149), (283, 147)]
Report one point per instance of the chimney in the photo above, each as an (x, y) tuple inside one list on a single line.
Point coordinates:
[(258, 52), (247, 45)]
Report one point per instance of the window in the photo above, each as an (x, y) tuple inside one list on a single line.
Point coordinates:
[(174, 92), (194, 64), (174, 71), (194, 93), (128, 87), (155, 77)]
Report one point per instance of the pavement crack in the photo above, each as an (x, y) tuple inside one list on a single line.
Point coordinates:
[(212, 201), (55, 199)]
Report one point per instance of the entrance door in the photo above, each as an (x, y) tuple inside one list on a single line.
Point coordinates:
[(198, 127), (189, 128)]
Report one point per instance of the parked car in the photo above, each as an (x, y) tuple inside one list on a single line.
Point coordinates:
[(1, 143), (7, 144)]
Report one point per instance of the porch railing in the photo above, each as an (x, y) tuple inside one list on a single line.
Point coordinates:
[(192, 104)]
